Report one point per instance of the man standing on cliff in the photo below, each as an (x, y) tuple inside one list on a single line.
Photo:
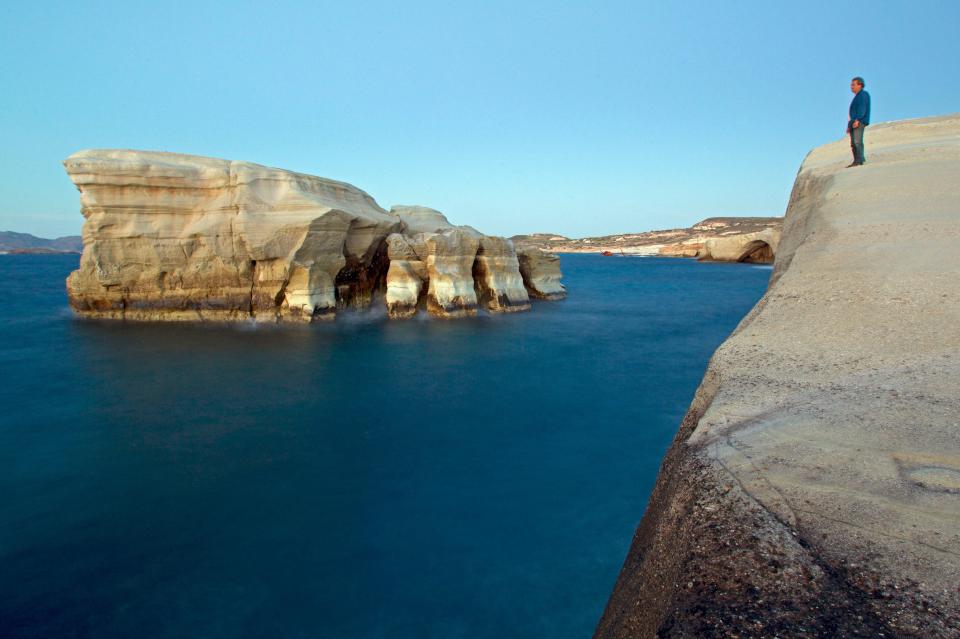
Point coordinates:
[(859, 119)]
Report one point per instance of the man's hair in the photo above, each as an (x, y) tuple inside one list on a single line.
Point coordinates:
[(859, 81)]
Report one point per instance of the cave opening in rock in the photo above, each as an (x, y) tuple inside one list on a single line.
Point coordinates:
[(358, 281), (757, 252), (251, 308), (482, 292)]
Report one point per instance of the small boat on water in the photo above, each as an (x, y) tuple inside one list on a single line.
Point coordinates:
[(606, 253)]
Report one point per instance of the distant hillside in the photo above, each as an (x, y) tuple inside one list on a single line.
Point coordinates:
[(687, 242), (11, 242)]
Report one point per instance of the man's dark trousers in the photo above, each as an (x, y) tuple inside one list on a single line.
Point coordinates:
[(856, 143)]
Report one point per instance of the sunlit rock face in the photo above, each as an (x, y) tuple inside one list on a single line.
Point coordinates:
[(496, 271), (172, 236), (407, 275), (541, 273), (758, 248), (179, 237), (450, 258), (813, 488), (422, 219)]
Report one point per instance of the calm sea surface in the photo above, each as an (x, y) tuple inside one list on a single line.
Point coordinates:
[(365, 478)]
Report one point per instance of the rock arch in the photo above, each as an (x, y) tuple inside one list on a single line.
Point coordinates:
[(757, 252), (756, 248)]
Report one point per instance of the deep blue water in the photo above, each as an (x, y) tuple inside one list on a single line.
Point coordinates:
[(366, 478)]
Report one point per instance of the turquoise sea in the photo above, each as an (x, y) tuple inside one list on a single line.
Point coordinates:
[(363, 478)]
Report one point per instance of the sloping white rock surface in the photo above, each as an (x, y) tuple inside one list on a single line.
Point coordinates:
[(814, 487)]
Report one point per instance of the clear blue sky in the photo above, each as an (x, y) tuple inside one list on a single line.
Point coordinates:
[(571, 117)]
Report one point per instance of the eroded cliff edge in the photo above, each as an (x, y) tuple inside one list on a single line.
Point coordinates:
[(180, 237), (813, 488)]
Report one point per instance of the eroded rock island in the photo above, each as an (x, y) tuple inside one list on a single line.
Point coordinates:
[(179, 237), (813, 488)]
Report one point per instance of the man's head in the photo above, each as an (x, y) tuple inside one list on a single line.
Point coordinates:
[(856, 85)]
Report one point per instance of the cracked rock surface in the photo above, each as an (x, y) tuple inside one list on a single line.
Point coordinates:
[(180, 237), (813, 489)]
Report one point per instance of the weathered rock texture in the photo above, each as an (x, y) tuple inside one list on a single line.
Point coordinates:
[(541, 273), (407, 275), (497, 273), (813, 488), (450, 258), (727, 232), (758, 248), (172, 236)]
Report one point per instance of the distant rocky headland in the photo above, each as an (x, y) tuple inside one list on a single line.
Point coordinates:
[(813, 488), (179, 237), (11, 242), (722, 239)]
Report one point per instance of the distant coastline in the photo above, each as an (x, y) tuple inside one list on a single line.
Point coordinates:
[(13, 243), (726, 239)]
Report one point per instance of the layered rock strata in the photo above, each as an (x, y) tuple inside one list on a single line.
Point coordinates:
[(171, 236), (407, 274), (497, 274), (541, 274), (813, 488), (757, 248), (450, 258)]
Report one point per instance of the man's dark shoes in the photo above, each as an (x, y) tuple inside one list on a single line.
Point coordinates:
[(855, 164)]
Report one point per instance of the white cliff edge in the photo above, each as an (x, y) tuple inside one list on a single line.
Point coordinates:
[(813, 488)]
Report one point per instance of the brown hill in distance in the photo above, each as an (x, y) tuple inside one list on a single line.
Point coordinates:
[(688, 242), (13, 242)]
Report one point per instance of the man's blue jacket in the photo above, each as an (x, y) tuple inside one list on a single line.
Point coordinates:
[(860, 108)]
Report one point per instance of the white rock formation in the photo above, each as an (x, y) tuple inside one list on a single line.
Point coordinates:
[(422, 219), (760, 247), (814, 486), (450, 258), (497, 274), (407, 275), (541, 273), (171, 236)]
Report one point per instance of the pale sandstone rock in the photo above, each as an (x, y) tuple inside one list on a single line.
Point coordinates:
[(497, 274), (541, 273), (682, 249), (494, 273), (421, 219), (813, 487), (760, 247), (407, 274), (450, 258), (171, 236)]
